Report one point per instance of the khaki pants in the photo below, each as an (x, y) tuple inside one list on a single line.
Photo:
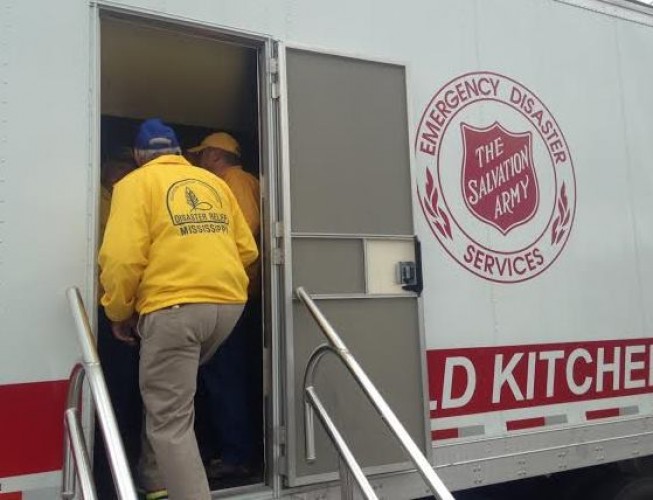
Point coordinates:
[(174, 342)]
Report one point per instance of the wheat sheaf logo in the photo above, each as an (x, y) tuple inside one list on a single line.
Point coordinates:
[(192, 201), (195, 203), (499, 188)]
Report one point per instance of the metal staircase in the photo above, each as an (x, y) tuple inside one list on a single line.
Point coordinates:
[(77, 468)]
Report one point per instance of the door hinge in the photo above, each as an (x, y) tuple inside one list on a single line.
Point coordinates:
[(274, 65), (278, 229), (278, 258), (274, 90), (282, 465), (280, 435), (280, 439), (274, 78)]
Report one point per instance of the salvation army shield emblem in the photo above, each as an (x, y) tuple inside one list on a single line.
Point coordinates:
[(499, 182)]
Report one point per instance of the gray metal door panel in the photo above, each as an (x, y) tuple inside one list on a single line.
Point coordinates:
[(349, 193), (334, 266), (349, 163), (379, 334)]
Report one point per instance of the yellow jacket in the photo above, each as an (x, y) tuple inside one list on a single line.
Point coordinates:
[(175, 235), (245, 188)]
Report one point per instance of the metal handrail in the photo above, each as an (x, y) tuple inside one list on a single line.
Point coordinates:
[(338, 347), (75, 450), (347, 463)]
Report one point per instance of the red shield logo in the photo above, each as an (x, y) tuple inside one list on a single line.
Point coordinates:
[(498, 176)]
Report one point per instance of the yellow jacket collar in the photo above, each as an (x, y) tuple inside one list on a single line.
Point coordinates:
[(168, 160)]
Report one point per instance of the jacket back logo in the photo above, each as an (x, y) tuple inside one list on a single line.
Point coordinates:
[(196, 208)]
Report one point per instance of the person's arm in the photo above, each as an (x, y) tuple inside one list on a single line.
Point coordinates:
[(125, 249)]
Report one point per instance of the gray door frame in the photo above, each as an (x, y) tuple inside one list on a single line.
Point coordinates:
[(285, 251)]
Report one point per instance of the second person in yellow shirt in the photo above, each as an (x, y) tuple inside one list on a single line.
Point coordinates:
[(232, 379)]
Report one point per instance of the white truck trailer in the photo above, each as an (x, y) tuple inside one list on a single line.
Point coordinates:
[(464, 187)]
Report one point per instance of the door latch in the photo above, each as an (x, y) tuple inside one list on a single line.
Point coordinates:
[(409, 274), (406, 273)]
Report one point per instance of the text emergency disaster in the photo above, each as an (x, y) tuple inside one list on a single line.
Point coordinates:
[(485, 379)]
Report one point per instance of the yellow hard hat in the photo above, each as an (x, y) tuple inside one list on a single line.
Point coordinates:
[(220, 140)]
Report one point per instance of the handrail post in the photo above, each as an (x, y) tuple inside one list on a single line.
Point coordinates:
[(82, 460), (75, 383), (90, 366), (116, 453), (424, 468), (309, 431), (68, 471), (309, 412), (344, 453)]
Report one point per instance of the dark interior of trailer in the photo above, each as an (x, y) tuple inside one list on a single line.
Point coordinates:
[(198, 84)]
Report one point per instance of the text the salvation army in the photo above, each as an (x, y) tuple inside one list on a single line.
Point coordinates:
[(494, 178)]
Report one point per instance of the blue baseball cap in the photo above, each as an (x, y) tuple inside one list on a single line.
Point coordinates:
[(154, 134)]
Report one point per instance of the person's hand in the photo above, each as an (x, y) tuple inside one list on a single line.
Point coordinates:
[(125, 330)]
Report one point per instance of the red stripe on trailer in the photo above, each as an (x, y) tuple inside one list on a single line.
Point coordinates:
[(11, 496), (598, 414), (472, 380), (525, 423), (31, 428), (439, 434)]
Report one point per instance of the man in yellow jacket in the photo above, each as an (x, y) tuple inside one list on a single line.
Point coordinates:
[(232, 379), (174, 253)]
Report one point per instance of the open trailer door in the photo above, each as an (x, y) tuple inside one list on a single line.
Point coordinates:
[(347, 223)]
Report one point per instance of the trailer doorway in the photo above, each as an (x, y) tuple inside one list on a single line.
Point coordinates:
[(198, 81)]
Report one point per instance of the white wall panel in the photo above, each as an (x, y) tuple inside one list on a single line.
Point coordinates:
[(553, 50), (635, 50), (45, 234)]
